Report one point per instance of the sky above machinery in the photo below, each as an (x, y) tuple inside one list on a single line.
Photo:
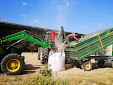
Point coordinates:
[(82, 16)]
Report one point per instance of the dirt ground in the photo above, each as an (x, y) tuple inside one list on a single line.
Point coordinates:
[(75, 76)]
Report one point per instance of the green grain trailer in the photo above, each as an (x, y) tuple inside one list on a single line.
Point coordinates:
[(81, 52)]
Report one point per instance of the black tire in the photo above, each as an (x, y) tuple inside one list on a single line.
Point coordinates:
[(66, 61), (39, 53), (101, 64), (44, 56), (112, 64), (11, 59), (77, 64), (86, 66)]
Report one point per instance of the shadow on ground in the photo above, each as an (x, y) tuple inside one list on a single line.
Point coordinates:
[(1, 71), (106, 65), (30, 69), (70, 65)]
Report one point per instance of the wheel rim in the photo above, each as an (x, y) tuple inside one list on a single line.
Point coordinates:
[(87, 65), (13, 65)]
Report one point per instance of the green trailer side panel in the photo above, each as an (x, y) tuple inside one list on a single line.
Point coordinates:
[(90, 46)]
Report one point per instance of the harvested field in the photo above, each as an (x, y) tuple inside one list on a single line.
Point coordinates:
[(75, 76)]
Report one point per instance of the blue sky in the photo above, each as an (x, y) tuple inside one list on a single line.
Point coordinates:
[(82, 16)]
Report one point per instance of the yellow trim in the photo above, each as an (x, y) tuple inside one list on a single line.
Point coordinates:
[(100, 40), (13, 65)]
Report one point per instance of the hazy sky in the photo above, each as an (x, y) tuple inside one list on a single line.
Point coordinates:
[(82, 16)]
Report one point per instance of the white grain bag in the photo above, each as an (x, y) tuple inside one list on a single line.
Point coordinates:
[(56, 60)]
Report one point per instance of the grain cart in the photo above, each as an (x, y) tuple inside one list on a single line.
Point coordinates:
[(11, 61), (81, 52)]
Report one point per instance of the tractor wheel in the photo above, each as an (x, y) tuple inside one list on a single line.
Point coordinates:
[(39, 53), (12, 64), (86, 66), (101, 64), (44, 56)]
